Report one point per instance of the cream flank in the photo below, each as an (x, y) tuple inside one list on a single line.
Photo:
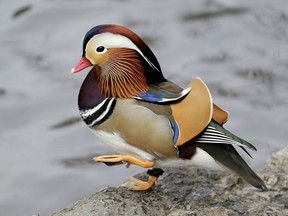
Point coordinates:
[(200, 159), (115, 141)]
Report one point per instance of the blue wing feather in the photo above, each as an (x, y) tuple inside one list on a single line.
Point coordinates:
[(149, 97), (175, 130), (161, 96)]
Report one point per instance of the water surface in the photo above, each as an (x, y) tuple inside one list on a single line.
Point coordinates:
[(238, 48)]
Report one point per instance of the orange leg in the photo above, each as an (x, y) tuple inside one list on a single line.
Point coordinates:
[(124, 158), (133, 183)]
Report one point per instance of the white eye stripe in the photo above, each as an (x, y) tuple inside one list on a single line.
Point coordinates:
[(109, 40)]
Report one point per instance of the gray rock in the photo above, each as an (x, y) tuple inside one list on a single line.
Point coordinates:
[(188, 191)]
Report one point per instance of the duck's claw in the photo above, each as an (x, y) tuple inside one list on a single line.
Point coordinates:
[(139, 185), (124, 158)]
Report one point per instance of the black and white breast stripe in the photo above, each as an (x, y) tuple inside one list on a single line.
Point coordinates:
[(99, 113)]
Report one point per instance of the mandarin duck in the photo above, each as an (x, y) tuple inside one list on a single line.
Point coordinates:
[(150, 121)]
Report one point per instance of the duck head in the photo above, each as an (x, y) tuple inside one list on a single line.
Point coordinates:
[(123, 63)]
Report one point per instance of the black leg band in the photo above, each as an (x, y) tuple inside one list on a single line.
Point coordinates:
[(155, 172)]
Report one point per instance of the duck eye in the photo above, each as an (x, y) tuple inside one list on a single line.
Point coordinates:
[(100, 49)]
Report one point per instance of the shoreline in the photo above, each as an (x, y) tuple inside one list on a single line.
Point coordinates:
[(192, 191)]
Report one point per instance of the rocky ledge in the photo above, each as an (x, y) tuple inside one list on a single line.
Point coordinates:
[(195, 192)]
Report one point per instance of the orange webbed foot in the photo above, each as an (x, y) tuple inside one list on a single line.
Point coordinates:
[(139, 185)]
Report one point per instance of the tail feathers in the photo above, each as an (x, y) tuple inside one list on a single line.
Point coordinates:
[(215, 133), (230, 158), (241, 142), (219, 143)]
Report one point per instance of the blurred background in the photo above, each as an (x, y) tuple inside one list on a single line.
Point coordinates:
[(239, 48)]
